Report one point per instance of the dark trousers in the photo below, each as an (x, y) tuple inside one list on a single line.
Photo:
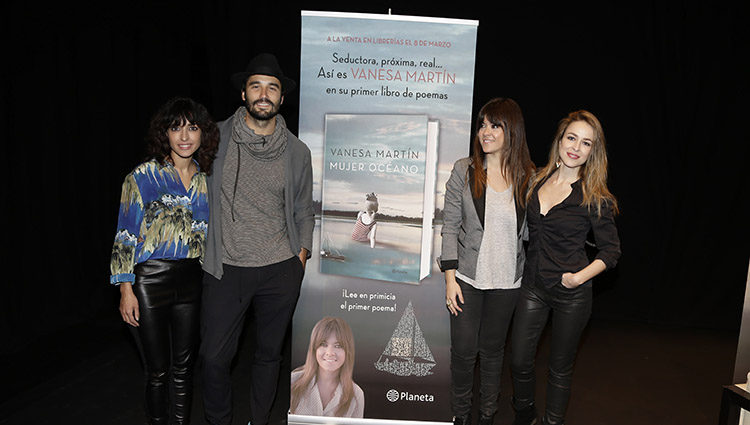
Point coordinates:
[(481, 330), (169, 294), (270, 293), (571, 309)]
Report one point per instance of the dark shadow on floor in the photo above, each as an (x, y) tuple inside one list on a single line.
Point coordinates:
[(626, 373)]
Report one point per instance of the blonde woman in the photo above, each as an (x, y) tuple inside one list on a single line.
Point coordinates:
[(567, 199), (323, 386)]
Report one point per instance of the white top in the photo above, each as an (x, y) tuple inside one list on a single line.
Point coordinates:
[(496, 263), (311, 404)]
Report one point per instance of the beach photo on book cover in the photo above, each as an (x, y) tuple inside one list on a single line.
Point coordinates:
[(378, 196)]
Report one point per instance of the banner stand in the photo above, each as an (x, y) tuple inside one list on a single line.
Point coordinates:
[(742, 363), (385, 108)]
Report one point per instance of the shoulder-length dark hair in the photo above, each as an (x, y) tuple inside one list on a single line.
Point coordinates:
[(593, 173), (179, 111), (515, 162)]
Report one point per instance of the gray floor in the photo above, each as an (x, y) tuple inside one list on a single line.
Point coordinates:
[(625, 374)]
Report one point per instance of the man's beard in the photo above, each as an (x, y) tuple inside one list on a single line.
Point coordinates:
[(262, 115)]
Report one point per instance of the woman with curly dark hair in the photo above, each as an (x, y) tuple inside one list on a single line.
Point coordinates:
[(156, 258)]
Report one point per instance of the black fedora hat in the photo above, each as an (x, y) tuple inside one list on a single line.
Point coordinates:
[(263, 64)]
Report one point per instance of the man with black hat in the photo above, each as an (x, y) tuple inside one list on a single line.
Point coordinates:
[(259, 237)]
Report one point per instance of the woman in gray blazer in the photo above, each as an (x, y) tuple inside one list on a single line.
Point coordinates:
[(482, 252)]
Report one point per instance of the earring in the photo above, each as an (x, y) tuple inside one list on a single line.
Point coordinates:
[(557, 164)]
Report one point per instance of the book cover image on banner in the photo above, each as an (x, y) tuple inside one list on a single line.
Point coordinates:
[(385, 108), (378, 186)]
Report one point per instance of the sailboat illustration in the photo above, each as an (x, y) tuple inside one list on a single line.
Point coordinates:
[(329, 251), (407, 352)]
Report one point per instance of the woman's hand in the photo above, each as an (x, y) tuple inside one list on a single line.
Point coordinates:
[(453, 294), (574, 280), (570, 280), (129, 305)]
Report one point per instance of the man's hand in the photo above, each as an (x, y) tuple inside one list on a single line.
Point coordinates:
[(303, 257)]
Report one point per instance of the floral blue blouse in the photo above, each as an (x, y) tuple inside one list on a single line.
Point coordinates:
[(158, 219)]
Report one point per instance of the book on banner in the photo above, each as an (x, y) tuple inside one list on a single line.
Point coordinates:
[(378, 196)]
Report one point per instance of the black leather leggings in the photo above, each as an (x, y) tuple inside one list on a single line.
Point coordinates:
[(481, 330), (169, 294), (571, 309)]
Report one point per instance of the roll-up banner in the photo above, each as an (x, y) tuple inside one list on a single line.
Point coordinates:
[(742, 361), (385, 107)]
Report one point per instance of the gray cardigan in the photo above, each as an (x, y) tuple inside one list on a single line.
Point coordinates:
[(463, 224), (298, 206)]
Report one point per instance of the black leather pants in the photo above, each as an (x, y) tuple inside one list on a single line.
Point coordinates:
[(480, 330), (169, 294), (571, 309)]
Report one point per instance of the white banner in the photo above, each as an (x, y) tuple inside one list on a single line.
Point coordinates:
[(385, 107)]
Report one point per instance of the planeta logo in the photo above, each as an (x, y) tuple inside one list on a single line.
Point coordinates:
[(394, 396)]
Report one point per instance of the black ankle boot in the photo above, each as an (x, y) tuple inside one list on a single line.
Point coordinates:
[(462, 420), (486, 420), (525, 416), (547, 420)]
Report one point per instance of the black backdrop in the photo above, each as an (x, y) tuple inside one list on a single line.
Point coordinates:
[(668, 81)]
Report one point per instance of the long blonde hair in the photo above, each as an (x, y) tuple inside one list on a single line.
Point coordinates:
[(326, 327), (593, 173)]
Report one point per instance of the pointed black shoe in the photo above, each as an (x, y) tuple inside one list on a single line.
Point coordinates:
[(546, 421), (462, 420), (486, 420)]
